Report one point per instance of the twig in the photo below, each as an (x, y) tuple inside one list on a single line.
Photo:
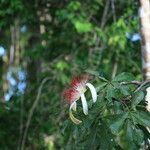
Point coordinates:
[(142, 84), (32, 111), (132, 82), (21, 122), (105, 12), (115, 67), (113, 10)]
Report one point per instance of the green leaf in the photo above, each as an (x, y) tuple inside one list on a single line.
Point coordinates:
[(82, 26), (61, 65), (117, 122), (125, 90), (126, 138), (107, 142), (95, 73), (124, 77), (142, 118), (74, 6), (137, 98), (113, 92), (138, 136), (110, 92), (101, 87)]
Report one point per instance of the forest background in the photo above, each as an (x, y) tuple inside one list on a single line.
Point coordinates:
[(43, 44)]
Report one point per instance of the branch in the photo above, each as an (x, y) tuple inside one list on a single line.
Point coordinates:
[(142, 84), (132, 82), (113, 10), (21, 122), (105, 13), (32, 111)]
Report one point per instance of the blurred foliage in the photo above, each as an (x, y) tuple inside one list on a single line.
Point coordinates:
[(79, 36)]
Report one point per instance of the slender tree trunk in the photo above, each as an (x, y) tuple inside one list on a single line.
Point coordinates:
[(1, 79), (145, 32), (14, 57), (44, 16), (32, 66), (145, 42)]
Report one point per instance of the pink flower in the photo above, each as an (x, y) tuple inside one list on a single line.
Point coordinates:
[(78, 87)]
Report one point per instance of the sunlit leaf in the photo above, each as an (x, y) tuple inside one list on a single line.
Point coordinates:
[(82, 26)]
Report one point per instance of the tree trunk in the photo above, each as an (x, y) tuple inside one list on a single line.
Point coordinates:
[(145, 42), (1, 79)]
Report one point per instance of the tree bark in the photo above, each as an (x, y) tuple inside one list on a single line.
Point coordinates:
[(145, 42), (145, 32), (1, 79)]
